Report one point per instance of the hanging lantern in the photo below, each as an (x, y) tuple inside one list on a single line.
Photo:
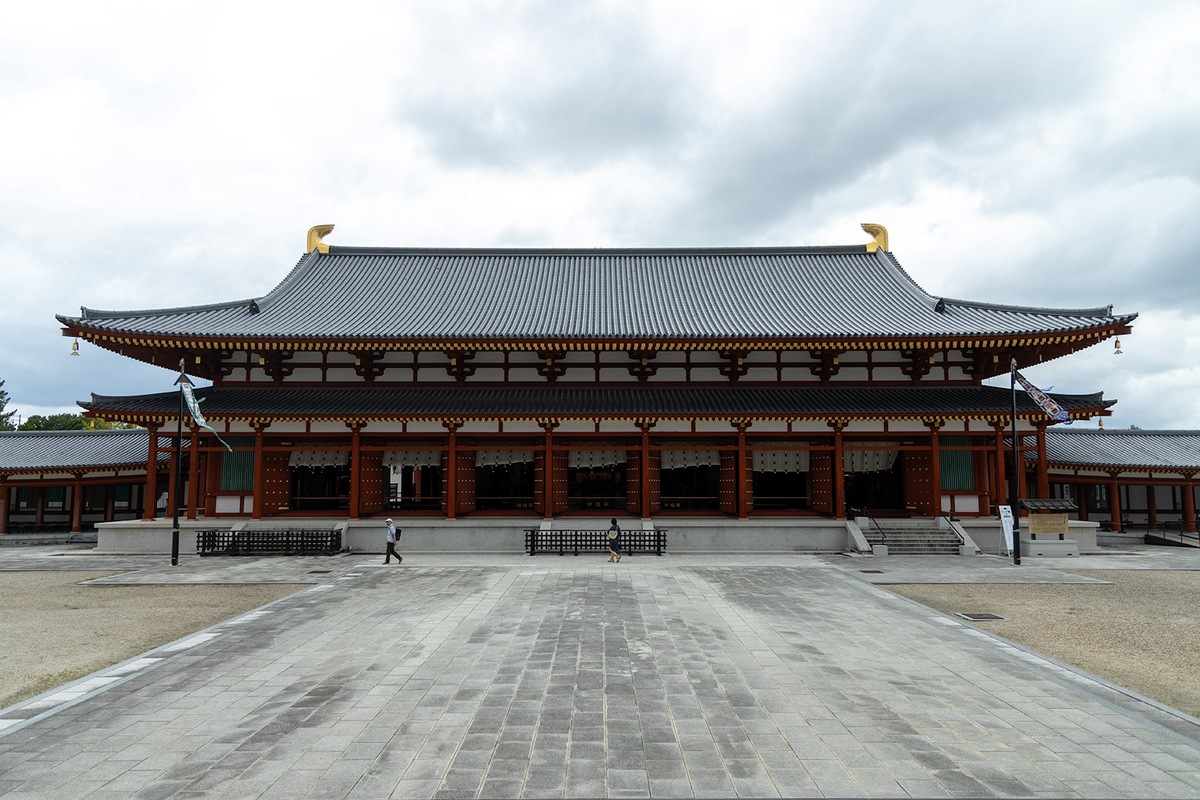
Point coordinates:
[(75, 347), (1117, 342)]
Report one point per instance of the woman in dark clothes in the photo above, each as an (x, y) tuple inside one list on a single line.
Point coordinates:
[(614, 541)]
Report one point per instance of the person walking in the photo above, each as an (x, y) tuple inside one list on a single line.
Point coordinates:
[(614, 541), (392, 535)]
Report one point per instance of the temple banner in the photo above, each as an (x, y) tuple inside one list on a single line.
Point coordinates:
[(1044, 401)]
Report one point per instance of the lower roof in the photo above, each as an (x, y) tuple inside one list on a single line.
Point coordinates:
[(64, 451), (1131, 449), (621, 402)]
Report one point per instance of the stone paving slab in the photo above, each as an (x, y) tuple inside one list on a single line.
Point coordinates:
[(562, 676)]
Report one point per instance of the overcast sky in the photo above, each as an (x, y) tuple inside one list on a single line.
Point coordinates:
[(1033, 153)]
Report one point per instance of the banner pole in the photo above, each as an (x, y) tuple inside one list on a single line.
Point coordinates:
[(1018, 471)]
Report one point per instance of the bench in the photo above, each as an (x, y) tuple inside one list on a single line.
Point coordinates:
[(593, 541), (301, 542)]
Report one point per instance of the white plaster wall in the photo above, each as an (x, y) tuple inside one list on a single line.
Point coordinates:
[(522, 426)]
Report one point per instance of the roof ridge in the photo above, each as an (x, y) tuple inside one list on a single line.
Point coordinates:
[(96, 313), (1098, 311), (840, 249)]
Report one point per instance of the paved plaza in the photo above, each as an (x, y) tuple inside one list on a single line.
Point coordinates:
[(510, 676)]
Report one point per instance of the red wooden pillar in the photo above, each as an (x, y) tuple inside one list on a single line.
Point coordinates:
[(935, 465), (645, 471), (150, 501), (212, 482), (172, 500), (1189, 506), (839, 473), (256, 513), (1020, 474), (1151, 509), (193, 475), (1080, 490), (1000, 495), (3, 508), (1114, 502), (355, 469), (452, 473), (743, 495), (77, 504), (39, 514), (549, 472), (1043, 472)]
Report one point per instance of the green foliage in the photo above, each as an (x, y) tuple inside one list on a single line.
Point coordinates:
[(5, 416), (54, 422), (105, 425)]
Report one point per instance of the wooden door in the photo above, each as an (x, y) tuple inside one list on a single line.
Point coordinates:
[(655, 482), (727, 483), (918, 483), (371, 483), (464, 490), (820, 466), (277, 484), (633, 481)]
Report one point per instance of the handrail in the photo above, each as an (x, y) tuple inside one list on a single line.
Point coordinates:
[(950, 519), (882, 533)]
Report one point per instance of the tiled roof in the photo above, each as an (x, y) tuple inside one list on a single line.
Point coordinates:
[(517, 295), (609, 401), (66, 450), (1127, 449)]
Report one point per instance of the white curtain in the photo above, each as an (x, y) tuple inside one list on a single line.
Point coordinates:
[(780, 460), (869, 460), (412, 458), (678, 459), (590, 459), (319, 458), (502, 458)]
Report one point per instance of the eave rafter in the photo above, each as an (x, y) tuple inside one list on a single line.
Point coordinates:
[(938, 417), (159, 349)]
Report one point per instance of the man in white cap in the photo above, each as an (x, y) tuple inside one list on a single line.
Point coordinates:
[(391, 544)]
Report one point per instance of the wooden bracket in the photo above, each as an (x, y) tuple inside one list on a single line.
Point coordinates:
[(736, 367), (459, 369), (643, 369), (367, 364), (920, 363), (275, 364), (551, 371), (828, 366)]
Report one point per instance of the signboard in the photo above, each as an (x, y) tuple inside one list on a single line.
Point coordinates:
[(1049, 524), (1006, 521)]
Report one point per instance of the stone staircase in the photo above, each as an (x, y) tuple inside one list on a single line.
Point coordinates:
[(912, 537)]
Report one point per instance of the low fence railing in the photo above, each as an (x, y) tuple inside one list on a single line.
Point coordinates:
[(593, 541), (300, 542)]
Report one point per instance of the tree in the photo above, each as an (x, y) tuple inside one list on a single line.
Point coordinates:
[(5, 416), (54, 422)]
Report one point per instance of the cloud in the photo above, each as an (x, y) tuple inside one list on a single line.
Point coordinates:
[(1029, 153)]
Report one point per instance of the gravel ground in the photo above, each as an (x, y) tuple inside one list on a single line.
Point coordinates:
[(55, 630), (1141, 632)]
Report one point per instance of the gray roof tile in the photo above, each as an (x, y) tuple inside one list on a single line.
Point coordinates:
[(66, 450), (1141, 449), (518, 295), (613, 401)]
